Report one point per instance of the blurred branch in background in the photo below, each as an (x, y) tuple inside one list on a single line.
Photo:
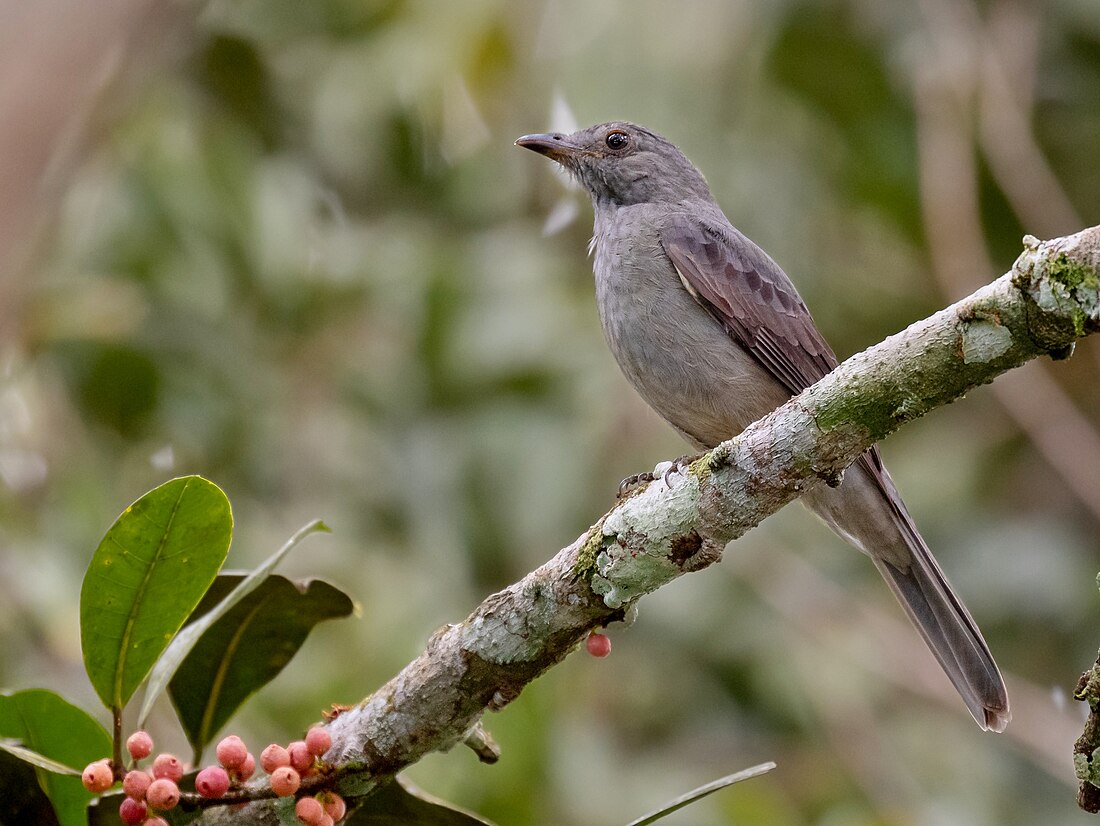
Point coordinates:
[(963, 110)]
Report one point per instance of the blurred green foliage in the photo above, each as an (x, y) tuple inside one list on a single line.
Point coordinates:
[(301, 257)]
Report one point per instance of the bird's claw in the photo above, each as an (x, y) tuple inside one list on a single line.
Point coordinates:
[(675, 467), (670, 469), (630, 482), (680, 465)]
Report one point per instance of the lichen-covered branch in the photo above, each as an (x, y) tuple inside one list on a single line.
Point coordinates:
[(681, 523), (1087, 748)]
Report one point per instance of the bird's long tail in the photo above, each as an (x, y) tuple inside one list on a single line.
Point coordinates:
[(867, 511), (951, 633)]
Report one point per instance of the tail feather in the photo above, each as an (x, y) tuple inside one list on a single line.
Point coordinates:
[(952, 635), (867, 511)]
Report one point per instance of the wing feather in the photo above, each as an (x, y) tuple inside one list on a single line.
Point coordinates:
[(751, 297)]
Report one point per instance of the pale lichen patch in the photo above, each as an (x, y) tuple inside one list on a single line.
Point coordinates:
[(659, 517), (984, 340)]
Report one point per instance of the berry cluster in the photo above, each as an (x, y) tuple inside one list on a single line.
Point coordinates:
[(158, 789), (288, 765)]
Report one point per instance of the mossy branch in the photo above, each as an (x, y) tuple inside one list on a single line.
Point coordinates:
[(1050, 298)]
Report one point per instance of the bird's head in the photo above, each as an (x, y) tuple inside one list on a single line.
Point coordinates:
[(622, 164)]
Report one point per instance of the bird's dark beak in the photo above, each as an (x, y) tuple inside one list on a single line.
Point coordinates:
[(554, 145)]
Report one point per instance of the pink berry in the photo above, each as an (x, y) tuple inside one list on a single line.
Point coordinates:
[(599, 645), (132, 812), (213, 781), (156, 821), (310, 811), (97, 777), (327, 820), (273, 757), (163, 794), (247, 768), (300, 756), (136, 784), (167, 766), (318, 741), (285, 781), (335, 807), (139, 744), (231, 752)]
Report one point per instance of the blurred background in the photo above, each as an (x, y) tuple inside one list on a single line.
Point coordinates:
[(291, 247)]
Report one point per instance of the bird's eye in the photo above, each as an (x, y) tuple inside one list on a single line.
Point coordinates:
[(616, 140)]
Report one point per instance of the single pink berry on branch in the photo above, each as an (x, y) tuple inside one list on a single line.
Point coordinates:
[(132, 812), (246, 769), (231, 752), (213, 781), (300, 756), (285, 781), (167, 766), (318, 741), (98, 777), (163, 794), (139, 744), (136, 783), (310, 811), (274, 757), (599, 645), (335, 807)]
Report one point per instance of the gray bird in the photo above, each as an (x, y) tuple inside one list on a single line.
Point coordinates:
[(713, 335)]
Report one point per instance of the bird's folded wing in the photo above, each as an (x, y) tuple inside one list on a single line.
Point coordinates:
[(754, 300), (751, 297)]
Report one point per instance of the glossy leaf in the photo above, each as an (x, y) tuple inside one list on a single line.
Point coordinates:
[(701, 792), (51, 727), (189, 635), (247, 647), (400, 803), (40, 761), (145, 579)]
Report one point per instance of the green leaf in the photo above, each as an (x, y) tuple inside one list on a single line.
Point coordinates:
[(285, 811), (51, 727), (16, 749), (247, 647), (686, 799), (145, 579), (185, 640), (400, 803)]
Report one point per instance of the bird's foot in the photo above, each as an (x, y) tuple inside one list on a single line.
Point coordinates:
[(664, 471), (628, 484), (680, 465)]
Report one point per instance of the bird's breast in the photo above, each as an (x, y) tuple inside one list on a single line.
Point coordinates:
[(674, 353)]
